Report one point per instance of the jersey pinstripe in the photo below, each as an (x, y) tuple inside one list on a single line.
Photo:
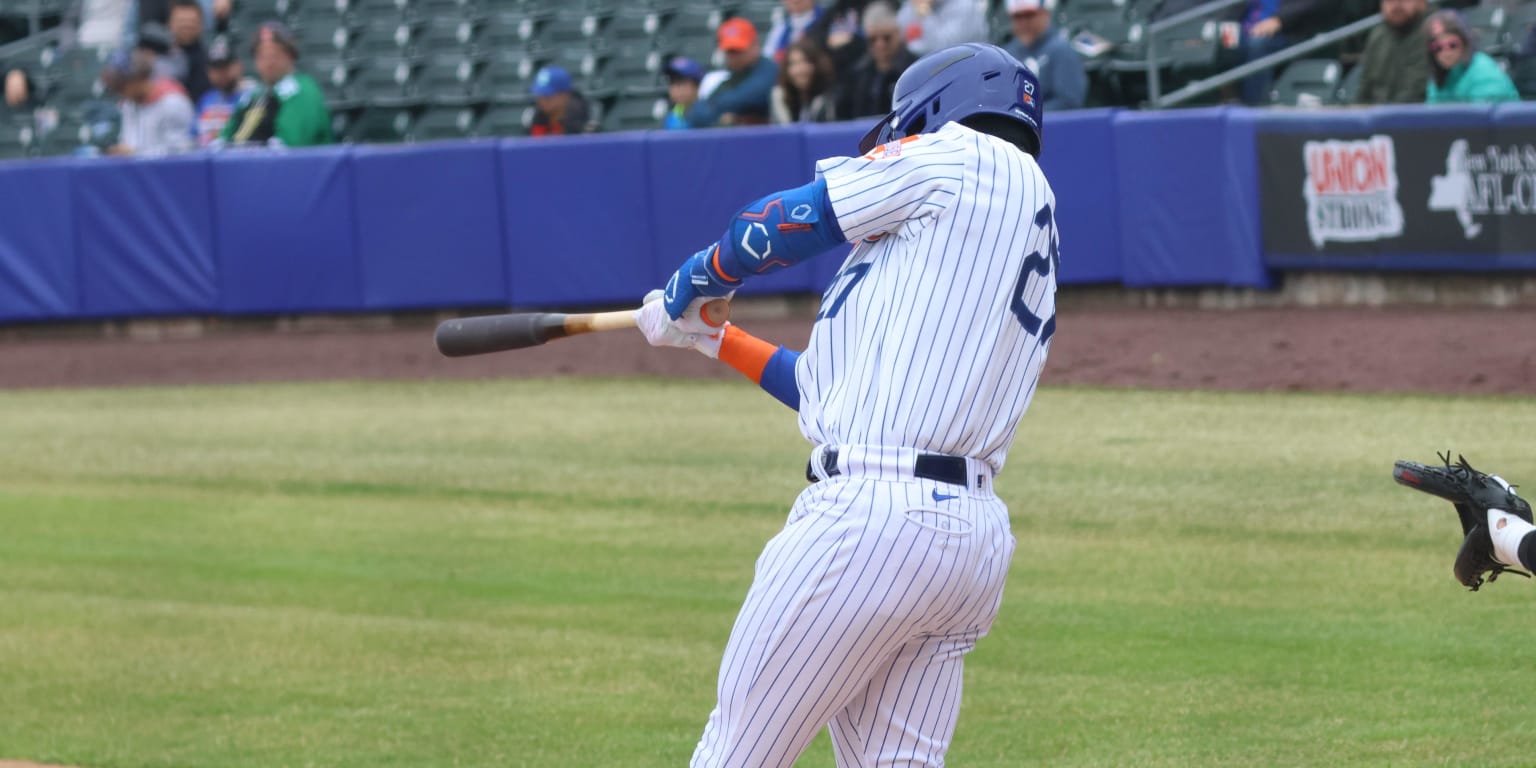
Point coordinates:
[(934, 333)]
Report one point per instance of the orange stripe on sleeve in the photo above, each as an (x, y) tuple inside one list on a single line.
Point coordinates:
[(746, 353)]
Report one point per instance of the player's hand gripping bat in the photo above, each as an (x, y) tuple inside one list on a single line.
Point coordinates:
[(466, 336)]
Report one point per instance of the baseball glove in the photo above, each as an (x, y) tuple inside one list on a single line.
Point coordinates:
[(1473, 494)]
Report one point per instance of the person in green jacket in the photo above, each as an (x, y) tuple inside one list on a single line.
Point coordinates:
[(288, 108), (1394, 68), (1459, 73)]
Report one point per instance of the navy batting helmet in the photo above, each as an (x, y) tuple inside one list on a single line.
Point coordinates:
[(978, 85)]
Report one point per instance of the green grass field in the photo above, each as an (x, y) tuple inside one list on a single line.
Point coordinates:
[(543, 573)]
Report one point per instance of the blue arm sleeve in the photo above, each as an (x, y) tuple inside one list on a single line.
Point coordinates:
[(774, 232), (779, 378)]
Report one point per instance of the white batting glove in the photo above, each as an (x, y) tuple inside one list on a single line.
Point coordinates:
[(687, 332)]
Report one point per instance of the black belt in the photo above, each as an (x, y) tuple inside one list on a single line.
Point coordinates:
[(929, 466)]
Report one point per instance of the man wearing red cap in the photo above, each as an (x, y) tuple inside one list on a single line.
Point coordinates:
[(742, 98)]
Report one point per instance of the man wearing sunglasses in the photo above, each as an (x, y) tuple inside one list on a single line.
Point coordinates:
[(866, 90)]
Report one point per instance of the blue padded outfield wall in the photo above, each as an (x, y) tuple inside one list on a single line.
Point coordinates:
[(1201, 197)]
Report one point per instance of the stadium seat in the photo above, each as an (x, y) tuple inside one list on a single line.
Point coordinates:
[(451, 80), (1487, 23), (363, 11), (509, 74), (16, 138), (322, 35), (636, 112), (382, 37), (1517, 28), (572, 28), (447, 123), (635, 69), (449, 34), (633, 27), (383, 124), (508, 30), (390, 82), (1349, 85), (588, 70), (507, 120), (1307, 83), (336, 76)]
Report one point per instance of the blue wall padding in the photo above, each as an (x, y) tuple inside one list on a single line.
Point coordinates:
[(429, 225), (145, 237), (577, 215), (37, 242), (286, 233)]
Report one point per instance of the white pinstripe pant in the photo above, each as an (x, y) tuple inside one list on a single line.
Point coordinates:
[(859, 618)]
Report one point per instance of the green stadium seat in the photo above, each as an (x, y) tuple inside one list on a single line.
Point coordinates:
[(635, 69), (507, 30), (323, 35), (572, 28), (636, 112), (452, 80), (382, 37), (390, 82), (17, 138), (447, 123), (364, 11), (509, 74), (379, 124), (588, 70), (1349, 85), (336, 76), (1308, 83), (507, 120), (694, 22), (1487, 23), (634, 27), (449, 34)]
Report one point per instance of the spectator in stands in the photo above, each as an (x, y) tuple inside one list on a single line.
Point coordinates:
[(683, 77), (798, 17), (1394, 69), (1269, 26), (1524, 71), (739, 95), (1044, 49), (156, 113), (215, 16), (187, 50), (18, 89), (934, 24), (226, 76), (287, 107), (558, 108), (1458, 72), (804, 92), (865, 91), (838, 31)]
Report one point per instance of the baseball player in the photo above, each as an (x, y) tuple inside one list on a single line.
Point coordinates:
[(924, 356)]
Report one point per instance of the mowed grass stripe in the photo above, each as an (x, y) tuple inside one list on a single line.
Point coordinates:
[(544, 573)]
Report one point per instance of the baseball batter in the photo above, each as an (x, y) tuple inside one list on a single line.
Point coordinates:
[(924, 356)]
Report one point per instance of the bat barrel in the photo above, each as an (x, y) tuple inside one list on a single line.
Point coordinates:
[(466, 336)]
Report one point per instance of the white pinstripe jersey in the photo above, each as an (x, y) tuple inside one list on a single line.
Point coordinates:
[(935, 330)]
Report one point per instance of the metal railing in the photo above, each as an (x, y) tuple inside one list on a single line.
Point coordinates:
[(1158, 101), (1154, 77)]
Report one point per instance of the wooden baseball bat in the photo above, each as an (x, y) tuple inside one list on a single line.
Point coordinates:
[(466, 336)]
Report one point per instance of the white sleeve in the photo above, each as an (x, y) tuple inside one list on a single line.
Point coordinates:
[(899, 187)]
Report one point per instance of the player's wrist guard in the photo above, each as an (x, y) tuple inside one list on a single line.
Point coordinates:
[(774, 232)]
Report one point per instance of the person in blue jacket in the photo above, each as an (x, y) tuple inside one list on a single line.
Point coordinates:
[(740, 95), (1042, 47)]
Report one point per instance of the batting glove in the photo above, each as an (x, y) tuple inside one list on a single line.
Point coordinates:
[(687, 332)]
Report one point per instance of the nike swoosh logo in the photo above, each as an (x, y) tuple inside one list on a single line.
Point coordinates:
[(943, 496)]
